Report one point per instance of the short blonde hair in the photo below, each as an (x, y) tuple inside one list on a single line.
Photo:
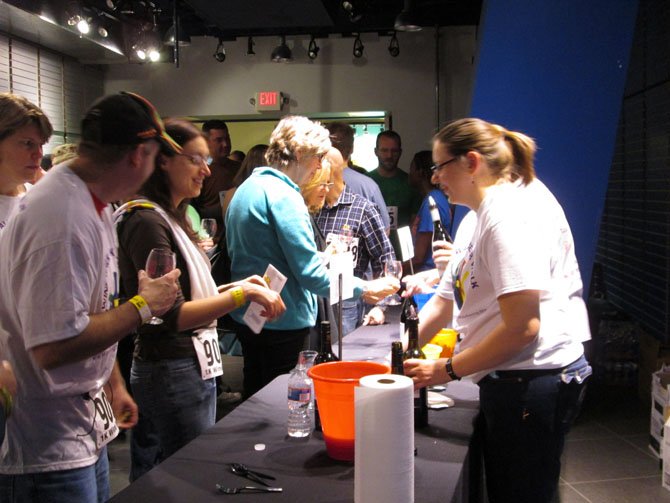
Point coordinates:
[(296, 135), (308, 189)]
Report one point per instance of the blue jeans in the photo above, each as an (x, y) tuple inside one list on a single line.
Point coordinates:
[(524, 418), (352, 315), (175, 406), (87, 484)]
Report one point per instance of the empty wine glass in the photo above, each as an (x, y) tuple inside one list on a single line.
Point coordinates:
[(392, 268), (159, 262), (208, 226)]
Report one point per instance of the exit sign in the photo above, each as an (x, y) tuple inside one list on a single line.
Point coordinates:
[(268, 100)]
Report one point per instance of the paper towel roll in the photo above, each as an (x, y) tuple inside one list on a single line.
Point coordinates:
[(384, 445)]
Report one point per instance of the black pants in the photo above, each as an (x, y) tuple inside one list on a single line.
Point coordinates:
[(268, 354), (525, 416)]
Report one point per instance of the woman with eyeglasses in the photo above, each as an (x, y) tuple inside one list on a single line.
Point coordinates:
[(175, 362), (24, 129), (516, 292)]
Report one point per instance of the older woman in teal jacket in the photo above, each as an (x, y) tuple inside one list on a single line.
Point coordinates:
[(268, 223)]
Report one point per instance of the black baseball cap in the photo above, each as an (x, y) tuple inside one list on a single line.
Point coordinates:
[(125, 119)]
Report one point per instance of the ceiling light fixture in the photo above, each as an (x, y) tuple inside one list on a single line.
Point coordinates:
[(220, 53), (250, 46), (358, 47), (394, 46), (355, 14), (171, 35), (313, 50), (408, 19), (282, 53)]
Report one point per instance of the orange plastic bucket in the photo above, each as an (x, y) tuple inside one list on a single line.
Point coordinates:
[(334, 384)]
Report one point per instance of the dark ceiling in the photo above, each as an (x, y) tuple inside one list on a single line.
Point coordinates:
[(238, 18), (45, 21)]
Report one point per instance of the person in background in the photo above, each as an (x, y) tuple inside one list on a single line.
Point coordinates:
[(237, 155), (267, 223), (402, 201), (60, 317), (314, 194), (420, 177), (370, 246), (222, 169), (7, 392), (24, 129), (255, 158), (175, 392), (517, 294), (342, 138)]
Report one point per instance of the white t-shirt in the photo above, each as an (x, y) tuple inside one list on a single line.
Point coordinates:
[(521, 241), (58, 265), (7, 205)]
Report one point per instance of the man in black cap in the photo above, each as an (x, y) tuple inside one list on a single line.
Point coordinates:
[(59, 317)]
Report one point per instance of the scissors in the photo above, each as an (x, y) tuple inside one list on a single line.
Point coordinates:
[(243, 471)]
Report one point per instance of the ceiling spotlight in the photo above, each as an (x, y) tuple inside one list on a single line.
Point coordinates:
[(102, 31), (313, 50), (355, 14), (250, 47), (408, 19), (394, 47), (282, 53), (220, 53), (358, 47), (83, 26), (171, 35)]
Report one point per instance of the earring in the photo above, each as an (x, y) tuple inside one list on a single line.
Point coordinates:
[(472, 180)]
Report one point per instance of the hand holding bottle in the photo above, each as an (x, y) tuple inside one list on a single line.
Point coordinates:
[(442, 252), (426, 372)]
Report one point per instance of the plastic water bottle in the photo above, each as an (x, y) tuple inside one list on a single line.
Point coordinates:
[(300, 408)]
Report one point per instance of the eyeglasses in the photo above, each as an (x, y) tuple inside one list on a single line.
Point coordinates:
[(436, 167), (326, 186), (196, 159)]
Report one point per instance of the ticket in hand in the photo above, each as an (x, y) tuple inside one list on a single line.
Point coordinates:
[(252, 318)]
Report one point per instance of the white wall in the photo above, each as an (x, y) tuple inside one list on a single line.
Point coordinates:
[(334, 82)]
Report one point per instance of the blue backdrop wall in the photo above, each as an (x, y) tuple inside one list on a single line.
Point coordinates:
[(556, 70)]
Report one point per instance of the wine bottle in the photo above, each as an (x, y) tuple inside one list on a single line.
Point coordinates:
[(325, 355), (409, 309), (439, 232), (414, 351), (396, 358)]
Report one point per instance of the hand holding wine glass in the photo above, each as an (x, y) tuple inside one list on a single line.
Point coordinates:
[(159, 262), (392, 269)]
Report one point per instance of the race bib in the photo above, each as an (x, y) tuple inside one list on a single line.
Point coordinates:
[(104, 423), (206, 344), (338, 243), (393, 216)]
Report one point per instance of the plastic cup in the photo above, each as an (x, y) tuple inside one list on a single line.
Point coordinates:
[(334, 384), (446, 339), (432, 351)]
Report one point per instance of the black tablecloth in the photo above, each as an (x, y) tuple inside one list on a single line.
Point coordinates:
[(302, 467)]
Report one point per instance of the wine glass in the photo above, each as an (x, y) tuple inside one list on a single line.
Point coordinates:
[(208, 226), (159, 262), (392, 268)]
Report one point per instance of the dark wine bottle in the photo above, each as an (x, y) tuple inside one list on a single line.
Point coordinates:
[(396, 358), (439, 232), (414, 351), (325, 346), (325, 355), (409, 309)]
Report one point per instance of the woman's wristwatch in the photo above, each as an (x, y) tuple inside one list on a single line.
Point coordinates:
[(450, 371)]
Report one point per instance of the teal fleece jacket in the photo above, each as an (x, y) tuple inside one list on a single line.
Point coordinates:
[(267, 223)]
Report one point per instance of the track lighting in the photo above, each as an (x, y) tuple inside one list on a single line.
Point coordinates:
[(358, 47), (350, 7), (220, 53), (282, 53), (313, 50), (408, 19), (394, 47), (250, 46)]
